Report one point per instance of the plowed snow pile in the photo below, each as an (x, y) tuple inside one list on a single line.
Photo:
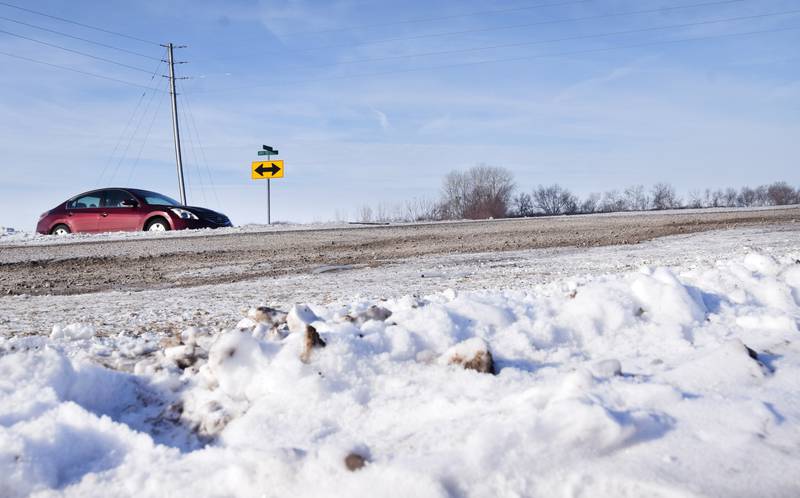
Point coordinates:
[(659, 382)]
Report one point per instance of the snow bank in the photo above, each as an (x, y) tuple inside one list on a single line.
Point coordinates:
[(72, 331), (658, 382)]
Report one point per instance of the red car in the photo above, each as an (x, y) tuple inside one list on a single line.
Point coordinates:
[(126, 209)]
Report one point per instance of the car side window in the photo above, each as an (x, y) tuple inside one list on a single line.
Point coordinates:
[(115, 198), (87, 201)]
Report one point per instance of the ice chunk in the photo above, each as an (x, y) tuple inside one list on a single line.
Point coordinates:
[(299, 317), (72, 331), (605, 369)]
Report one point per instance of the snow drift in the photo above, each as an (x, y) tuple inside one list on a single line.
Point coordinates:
[(660, 382)]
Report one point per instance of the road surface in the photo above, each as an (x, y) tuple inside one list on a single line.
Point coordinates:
[(158, 263)]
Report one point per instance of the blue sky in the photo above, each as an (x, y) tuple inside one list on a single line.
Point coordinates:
[(362, 115)]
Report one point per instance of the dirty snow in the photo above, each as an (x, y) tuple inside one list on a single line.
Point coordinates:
[(12, 237), (17, 237), (647, 380)]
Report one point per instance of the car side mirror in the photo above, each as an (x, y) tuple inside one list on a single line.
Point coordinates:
[(130, 203)]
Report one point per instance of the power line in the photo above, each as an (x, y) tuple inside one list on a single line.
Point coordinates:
[(71, 69), (554, 21), (84, 54), (135, 131), (194, 152), (67, 35), (496, 28), (202, 149), (158, 107), (555, 40), (440, 18), (130, 37), (197, 164), (512, 59), (127, 126)]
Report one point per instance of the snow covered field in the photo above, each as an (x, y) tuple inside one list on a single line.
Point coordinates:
[(671, 368)]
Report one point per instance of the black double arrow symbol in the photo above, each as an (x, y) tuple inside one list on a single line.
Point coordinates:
[(273, 169)]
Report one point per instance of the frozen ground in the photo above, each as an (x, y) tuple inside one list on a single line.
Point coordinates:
[(667, 368), (104, 263), (14, 237), (31, 238), (170, 310)]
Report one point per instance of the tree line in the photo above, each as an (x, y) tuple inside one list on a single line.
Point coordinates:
[(483, 192)]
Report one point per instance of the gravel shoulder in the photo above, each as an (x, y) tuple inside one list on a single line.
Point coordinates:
[(169, 262)]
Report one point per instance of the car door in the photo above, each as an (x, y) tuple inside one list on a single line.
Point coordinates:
[(83, 212), (120, 212)]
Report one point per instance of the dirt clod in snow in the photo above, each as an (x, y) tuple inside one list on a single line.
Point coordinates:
[(312, 340), (374, 312), (472, 354), (183, 356), (267, 315), (354, 462)]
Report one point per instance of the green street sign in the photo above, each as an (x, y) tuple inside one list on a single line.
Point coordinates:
[(268, 153)]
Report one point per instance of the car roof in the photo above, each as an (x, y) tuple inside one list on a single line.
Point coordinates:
[(102, 190)]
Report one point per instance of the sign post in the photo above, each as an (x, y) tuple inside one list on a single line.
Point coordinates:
[(269, 201), (267, 170)]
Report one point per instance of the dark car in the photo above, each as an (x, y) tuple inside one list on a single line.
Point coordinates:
[(126, 209)]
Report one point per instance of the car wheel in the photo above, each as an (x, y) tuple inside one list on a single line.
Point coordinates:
[(60, 229), (157, 225)]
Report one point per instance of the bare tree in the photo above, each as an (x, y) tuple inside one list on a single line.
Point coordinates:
[(612, 202), (695, 199), (718, 198), (746, 197), (365, 214), (523, 205), (591, 203), (729, 198), (455, 194), (493, 187), (382, 212), (762, 195), (781, 194), (480, 192), (664, 196), (636, 198), (554, 200), (421, 209)]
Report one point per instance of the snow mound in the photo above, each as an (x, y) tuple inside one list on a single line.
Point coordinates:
[(659, 382), (472, 354), (72, 331)]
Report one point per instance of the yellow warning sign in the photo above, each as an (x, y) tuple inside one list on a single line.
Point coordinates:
[(265, 170)]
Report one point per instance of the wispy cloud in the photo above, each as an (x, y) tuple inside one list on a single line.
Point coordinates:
[(593, 84), (383, 120)]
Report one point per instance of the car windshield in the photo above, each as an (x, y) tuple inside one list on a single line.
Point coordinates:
[(156, 199)]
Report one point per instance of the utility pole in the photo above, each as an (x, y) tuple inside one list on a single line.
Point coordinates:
[(175, 127)]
